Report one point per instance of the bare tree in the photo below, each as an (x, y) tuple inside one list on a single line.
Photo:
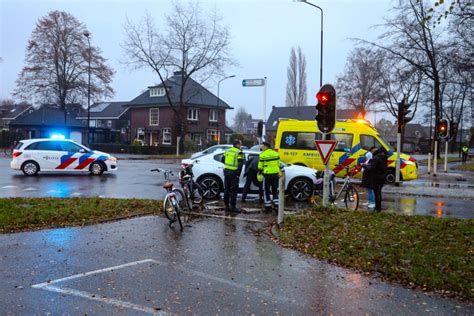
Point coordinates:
[(302, 88), (359, 84), (399, 82), (56, 69), (411, 39), (194, 43), (242, 119), (292, 77), (384, 126), (296, 89)]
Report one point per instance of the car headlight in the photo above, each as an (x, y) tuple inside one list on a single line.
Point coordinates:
[(112, 159)]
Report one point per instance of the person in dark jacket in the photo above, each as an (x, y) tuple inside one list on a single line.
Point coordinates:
[(377, 169), (367, 180), (251, 171)]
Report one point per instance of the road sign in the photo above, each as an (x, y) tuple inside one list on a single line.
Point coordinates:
[(325, 148), (253, 82)]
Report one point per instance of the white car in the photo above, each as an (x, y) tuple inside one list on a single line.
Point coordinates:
[(213, 149), (59, 155), (208, 172)]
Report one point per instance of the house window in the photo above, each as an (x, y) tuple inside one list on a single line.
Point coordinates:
[(197, 138), (212, 135), (154, 117), (193, 114), (157, 92), (213, 116), (166, 136), (109, 123)]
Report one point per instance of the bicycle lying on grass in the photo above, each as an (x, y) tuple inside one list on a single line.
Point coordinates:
[(175, 202), (347, 190)]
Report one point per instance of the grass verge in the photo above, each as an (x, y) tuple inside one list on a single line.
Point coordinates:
[(419, 251), (465, 167), (20, 214)]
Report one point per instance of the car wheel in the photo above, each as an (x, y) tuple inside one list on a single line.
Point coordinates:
[(211, 186), (97, 168), (30, 168), (390, 177), (301, 189)]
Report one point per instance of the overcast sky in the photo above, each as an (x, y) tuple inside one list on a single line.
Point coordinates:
[(263, 32)]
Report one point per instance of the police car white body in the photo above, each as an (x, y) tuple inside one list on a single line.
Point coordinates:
[(59, 155), (208, 171)]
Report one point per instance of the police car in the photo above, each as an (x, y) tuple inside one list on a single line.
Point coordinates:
[(208, 171), (59, 155)]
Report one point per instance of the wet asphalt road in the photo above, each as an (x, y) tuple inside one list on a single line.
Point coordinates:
[(133, 179), (216, 266)]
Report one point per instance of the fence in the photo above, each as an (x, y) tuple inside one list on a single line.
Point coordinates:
[(135, 149)]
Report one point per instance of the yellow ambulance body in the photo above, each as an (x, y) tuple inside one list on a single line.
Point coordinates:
[(295, 143)]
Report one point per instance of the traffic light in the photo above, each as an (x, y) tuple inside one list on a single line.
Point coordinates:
[(443, 129), (453, 131), (403, 111), (260, 128), (326, 108)]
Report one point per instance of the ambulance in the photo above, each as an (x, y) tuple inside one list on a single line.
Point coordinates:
[(294, 142)]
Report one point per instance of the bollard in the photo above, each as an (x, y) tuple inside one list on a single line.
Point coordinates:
[(429, 162), (281, 197)]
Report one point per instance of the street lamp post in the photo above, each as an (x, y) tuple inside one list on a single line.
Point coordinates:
[(217, 106), (321, 62), (87, 34)]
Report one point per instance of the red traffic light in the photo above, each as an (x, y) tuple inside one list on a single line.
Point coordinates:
[(323, 97)]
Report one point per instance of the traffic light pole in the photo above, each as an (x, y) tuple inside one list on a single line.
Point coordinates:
[(435, 158), (326, 180), (446, 156), (397, 165)]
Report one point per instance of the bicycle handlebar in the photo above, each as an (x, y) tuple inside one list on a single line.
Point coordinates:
[(170, 172)]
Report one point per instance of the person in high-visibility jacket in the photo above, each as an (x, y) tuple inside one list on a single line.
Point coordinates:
[(269, 166), (233, 160), (465, 151)]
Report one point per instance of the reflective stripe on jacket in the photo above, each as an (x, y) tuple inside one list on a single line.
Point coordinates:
[(232, 157), (269, 162)]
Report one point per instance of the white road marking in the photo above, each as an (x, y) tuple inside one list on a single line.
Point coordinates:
[(80, 275), (48, 286), (31, 189), (227, 217), (9, 187), (244, 287), (108, 300)]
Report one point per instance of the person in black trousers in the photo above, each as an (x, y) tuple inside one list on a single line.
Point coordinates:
[(377, 172), (251, 171)]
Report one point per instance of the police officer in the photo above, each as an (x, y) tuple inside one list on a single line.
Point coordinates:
[(269, 165), (233, 161), (465, 150)]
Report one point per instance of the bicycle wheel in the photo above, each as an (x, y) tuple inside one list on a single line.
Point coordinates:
[(351, 199), (180, 207), (169, 208), (196, 195), (8, 151)]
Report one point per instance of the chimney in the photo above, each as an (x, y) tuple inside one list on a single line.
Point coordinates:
[(179, 73)]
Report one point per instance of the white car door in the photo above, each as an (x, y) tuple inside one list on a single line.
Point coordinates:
[(48, 155), (73, 157)]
